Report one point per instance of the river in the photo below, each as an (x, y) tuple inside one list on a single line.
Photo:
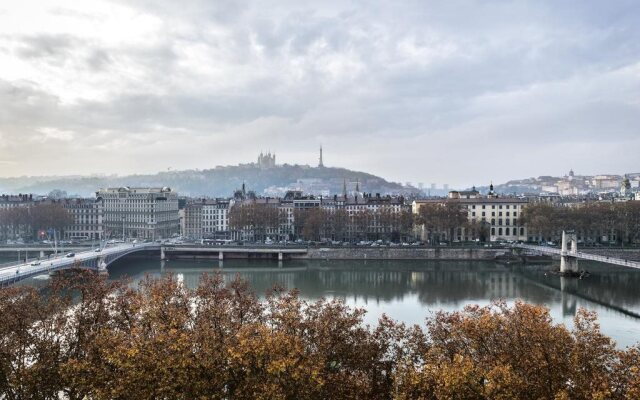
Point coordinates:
[(410, 291)]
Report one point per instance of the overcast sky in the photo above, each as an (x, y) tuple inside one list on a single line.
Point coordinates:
[(451, 91)]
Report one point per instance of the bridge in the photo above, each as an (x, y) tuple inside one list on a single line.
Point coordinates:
[(92, 259), (99, 260), (39, 248), (569, 254), (281, 252)]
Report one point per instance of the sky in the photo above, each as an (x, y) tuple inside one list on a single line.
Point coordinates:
[(452, 91)]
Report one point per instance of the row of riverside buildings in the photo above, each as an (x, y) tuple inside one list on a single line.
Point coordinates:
[(157, 213), (145, 213)]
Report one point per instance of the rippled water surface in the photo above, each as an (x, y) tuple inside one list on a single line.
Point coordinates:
[(410, 290)]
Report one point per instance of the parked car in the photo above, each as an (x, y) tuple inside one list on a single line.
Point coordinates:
[(98, 250), (35, 263), (69, 255)]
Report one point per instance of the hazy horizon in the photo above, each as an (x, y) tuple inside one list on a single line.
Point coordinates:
[(461, 92)]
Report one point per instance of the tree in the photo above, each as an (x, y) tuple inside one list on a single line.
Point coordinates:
[(442, 219), (339, 224), (161, 340), (314, 224), (49, 216), (501, 352)]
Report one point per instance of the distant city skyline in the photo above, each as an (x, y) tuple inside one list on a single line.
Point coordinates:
[(461, 93)]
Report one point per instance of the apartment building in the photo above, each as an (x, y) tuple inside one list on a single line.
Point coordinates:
[(146, 213), (87, 219), (496, 218), (207, 219)]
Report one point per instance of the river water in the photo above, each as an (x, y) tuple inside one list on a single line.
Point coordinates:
[(410, 291)]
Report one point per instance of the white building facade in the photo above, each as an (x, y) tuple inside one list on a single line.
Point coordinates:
[(87, 219), (146, 213)]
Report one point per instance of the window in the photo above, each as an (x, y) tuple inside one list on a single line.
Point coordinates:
[(499, 231), (522, 231), (483, 213), (506, 230), (500, 206), (493, 221), (500, 213), (493, 231), (493, 213), (500, 221), (473, 214)]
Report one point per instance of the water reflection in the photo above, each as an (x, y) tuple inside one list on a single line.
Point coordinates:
[(409, 290)]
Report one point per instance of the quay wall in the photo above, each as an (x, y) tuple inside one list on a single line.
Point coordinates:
[(402, 253)]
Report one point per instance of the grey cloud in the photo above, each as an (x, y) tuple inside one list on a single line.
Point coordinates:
[(99, 60), (46, 46), (418, 78)]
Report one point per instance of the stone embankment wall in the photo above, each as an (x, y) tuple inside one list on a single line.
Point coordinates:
[(402, 253), (625, 254)]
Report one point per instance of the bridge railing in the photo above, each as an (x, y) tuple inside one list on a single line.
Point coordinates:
[(20, 275), (542, 249), (27, 270), (582, 255)]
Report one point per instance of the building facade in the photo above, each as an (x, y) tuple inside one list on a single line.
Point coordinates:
[(491, 217), (207, 219), (8, 201), (87, 219), (146, 213)]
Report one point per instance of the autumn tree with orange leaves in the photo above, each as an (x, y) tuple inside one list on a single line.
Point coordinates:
[(89, 338)]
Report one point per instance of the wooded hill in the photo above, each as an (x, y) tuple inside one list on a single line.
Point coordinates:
[(219, 181)]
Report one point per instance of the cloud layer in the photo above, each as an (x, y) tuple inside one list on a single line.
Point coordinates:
[(455, 91)]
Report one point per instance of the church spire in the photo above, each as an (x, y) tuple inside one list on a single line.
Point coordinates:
[(491, 193), (320, 164), (358, 185)]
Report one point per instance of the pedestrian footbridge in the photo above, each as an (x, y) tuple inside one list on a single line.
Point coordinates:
[(569, 254)]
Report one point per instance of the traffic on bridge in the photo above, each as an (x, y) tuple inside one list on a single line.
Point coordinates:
[(94, 258)]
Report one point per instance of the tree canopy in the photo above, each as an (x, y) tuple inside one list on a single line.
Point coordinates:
[(89, 338)]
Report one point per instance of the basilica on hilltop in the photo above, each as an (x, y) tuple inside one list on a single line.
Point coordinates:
[(266, 161)]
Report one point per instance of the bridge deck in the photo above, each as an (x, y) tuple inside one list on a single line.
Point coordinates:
[(15, 273), (582, 255), (22, 249), (90, 258), (236, 249)]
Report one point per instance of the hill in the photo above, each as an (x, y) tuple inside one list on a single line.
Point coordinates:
[(218, 182)]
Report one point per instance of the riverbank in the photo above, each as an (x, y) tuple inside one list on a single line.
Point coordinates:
[(343, 253)]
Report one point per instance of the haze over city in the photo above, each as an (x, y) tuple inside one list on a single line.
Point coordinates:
[(241, 199), (438, 91)]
